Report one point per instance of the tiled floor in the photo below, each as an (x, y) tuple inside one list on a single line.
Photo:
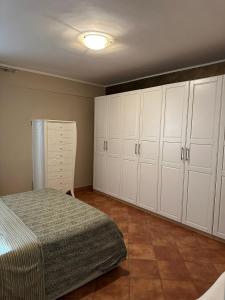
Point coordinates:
[(165, 261)]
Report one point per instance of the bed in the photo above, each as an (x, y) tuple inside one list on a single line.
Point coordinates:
[(51, 244)]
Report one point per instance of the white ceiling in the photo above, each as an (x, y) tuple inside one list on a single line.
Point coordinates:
[(151, 36)]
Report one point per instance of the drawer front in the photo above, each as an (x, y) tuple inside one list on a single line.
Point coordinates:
[(56, 172), (59, 148), (63, 162), (60, 184), (60, 175), (61, 134), (57, 126), (66, 169), (61, 155), (59, 140)]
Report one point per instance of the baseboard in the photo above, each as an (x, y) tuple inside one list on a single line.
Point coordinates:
[(164, 218), (83, 188)]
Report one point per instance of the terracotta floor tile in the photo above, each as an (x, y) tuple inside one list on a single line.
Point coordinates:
[(220, 268), (201, 287), (188, 241), (165, 261), (143, 268), (167, 253), (173, 271), (137, 233), (203, 255), (146, 289), (179, 290), (162, 240), (208, 243), (115, 289), (141, 251), (202, 271)]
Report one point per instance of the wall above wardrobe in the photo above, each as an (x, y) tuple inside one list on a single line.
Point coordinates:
[(173, 77)]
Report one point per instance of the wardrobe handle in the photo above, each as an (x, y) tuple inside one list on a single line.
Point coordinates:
[(139, 149), (187, 155), (106, 145), (135, 149), (182, 153)]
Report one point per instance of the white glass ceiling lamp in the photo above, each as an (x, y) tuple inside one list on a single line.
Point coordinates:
[(95, 40)]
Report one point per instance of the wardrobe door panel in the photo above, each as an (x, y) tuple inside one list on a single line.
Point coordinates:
[(100, 172), (148, 150), (150, 113), (115, 116), (221, 219), (129, 181), (100, 131), (101, 117), (113, 175), (130, 149), (148, 174), (174, 111), (131, 114), (171, 154), (219, 215), (171, 192), (99, 145), (202, 142), (114, 145), (199, 185), (171, 164), (130, 131)]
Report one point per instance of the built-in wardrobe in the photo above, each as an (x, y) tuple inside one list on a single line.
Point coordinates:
[(162, 149)]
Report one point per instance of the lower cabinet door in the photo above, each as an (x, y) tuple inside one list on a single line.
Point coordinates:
[(129, 180), (113, 175), (100, 172), (170, 193), (219, 220), (198, 200), (148, 184)]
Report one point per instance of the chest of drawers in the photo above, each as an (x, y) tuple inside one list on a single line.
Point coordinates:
[(54, 154)]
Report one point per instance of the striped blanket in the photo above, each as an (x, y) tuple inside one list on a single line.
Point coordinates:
[(21, 271), (67, 242)]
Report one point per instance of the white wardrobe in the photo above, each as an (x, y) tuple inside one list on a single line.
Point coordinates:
[(157, 148), (54, 153)]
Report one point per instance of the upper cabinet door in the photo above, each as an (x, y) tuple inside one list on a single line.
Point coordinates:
[(172, 140), (101, 118), (131, 115), (150, 119), (201, 158), (219, 216)]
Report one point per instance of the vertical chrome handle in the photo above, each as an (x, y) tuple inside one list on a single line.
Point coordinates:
[(187, 154), (106, 145), (135, 149), (182, 153), (139, 149)]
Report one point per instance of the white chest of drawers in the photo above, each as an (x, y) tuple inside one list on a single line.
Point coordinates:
[(54, 154)]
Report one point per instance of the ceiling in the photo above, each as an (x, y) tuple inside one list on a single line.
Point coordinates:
[(151, 36)]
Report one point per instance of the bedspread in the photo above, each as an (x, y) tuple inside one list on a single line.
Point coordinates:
[(21, 269), (78, 242)]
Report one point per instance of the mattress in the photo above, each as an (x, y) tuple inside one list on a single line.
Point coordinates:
[(78, 242)]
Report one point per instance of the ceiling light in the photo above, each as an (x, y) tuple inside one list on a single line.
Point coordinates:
[(95, 40)]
